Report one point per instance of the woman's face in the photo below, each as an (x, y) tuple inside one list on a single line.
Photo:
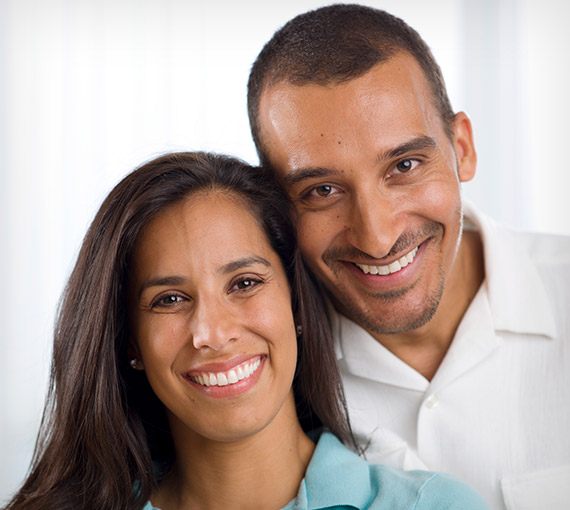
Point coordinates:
[(212, 319)]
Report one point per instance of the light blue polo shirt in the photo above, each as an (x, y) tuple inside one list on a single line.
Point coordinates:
[(337, 478)]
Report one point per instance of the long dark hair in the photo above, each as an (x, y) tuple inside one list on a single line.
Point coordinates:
[(104, 431)]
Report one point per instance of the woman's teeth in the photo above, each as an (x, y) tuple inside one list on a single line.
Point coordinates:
[(238, 373), (394, 267)]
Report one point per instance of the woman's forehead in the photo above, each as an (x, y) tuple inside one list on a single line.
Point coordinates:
[(205, 230)]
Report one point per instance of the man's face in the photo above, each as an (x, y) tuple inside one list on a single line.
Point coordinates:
[(375, 183)]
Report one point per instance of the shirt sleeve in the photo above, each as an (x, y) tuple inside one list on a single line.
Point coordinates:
[(442, 492)]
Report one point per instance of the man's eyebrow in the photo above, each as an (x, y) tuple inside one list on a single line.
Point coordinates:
[(234, 265), (306, 173), (419, 143), (161, 281)]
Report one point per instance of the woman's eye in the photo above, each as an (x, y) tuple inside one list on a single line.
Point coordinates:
[(245, 284), (406, 165), (167, 300)]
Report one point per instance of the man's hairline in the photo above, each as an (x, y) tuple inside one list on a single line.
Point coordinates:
[(272, 81)]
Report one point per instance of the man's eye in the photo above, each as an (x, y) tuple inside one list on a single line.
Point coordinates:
[(167, 300), (406, 165), (322, 191)]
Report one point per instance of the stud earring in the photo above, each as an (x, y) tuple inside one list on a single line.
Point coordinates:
[(299, 329), (134, 363)]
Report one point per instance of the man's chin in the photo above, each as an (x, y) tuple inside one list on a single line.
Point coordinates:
[(390, 314), (395, 325)]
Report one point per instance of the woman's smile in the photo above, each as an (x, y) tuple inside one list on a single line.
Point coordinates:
[(219, 383), (214, 376)]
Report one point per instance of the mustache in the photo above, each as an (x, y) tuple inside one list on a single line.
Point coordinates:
[(405, 242)]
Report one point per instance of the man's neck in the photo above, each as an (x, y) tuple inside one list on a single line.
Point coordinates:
[(424, 348)]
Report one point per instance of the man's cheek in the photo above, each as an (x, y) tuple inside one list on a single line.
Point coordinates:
[(437, 195), (313, 240)]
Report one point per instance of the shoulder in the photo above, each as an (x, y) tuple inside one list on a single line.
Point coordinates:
[(421, 490), (443, 491), (528, 278), (337, 477), (542, 248), (545, 248), (550, 256)]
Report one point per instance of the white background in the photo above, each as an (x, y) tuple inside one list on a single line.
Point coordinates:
[(91, 88)]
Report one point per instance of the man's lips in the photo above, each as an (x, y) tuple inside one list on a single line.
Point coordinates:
[(393, 267), (385, 277), (401, 255)]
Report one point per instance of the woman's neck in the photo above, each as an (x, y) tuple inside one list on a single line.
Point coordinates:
[(261, 471)]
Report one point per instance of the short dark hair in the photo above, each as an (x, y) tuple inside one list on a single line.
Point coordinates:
[(104, 430), (335, 44)]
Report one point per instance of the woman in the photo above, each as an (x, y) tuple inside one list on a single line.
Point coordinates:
[(188, 368)]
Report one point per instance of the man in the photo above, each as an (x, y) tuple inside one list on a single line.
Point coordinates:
[(453, 333)]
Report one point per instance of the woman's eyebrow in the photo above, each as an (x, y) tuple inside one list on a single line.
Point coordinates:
[(244, 262), (161, 281), (165, 281)]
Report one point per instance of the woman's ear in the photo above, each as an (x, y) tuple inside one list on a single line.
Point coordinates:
[(134, 357), (464, 147)]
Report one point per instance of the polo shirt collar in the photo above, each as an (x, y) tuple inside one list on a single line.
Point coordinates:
[(332, 469), (518, 299)]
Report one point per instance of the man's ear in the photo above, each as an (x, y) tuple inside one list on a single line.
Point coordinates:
[(464, 147)]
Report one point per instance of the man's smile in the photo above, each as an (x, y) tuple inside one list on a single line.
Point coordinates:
[(393, 267)]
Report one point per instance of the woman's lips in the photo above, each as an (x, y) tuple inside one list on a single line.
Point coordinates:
[(233, 375), (227, 380)]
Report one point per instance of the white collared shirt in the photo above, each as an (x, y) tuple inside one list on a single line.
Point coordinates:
[(497, 413)]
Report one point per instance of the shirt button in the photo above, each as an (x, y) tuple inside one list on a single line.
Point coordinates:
[(431, 402)]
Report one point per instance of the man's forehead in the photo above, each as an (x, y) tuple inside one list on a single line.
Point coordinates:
[(400, 69), (392, 101)]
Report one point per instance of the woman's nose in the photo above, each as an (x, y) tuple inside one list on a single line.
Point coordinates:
[(214, 326)]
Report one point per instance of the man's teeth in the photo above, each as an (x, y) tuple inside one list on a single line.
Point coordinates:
[(232, 376), (394, 267)]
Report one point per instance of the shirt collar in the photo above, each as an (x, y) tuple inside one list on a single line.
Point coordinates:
[(512, 298), (365, 357), (332, 469), (517, 297)]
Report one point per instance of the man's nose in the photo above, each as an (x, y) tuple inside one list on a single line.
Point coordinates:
[(213, 326), (372, 224)]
